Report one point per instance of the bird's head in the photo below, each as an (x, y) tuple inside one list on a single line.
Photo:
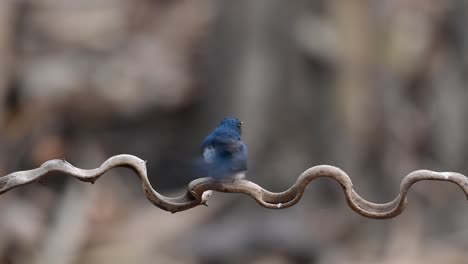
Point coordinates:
[(231, 123)]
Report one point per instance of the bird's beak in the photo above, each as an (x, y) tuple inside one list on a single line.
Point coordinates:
[(242, 123)]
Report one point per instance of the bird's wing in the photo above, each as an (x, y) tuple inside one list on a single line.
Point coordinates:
[(234, 152), (223, 155), (227, 145)]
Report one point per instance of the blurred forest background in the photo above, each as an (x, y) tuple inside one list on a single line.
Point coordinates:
[(377, 88)]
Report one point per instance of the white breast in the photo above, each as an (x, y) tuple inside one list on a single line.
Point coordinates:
[(209, 154)]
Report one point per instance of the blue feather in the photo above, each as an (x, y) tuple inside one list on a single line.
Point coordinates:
[(224, 154)]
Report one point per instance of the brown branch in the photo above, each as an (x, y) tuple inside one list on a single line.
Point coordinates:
[(200, 190)]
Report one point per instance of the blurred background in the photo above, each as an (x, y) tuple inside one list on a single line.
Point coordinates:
[(377, 88)]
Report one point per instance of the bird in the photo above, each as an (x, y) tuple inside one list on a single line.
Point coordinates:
[(224, 153)]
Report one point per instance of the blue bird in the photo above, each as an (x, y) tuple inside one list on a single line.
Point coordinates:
[(224, 153)]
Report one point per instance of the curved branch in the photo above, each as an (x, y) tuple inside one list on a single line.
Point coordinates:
[(199, 190)]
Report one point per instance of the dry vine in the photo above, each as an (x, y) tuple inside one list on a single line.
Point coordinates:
[(200, 190)]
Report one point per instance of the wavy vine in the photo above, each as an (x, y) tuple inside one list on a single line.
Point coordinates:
[(200, 190)]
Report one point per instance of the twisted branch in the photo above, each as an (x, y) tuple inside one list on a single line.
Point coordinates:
[(200, 190)]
